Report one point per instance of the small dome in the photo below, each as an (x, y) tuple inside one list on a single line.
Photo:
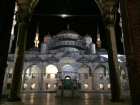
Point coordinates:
[(87, 36), (122, 58), (38, 59), (43, 43), (48, 36), (100, 59), (51, 59), (83, 59), (34, 49)]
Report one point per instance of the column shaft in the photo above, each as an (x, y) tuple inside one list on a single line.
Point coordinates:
[(113, 64), (130, 19), (62, 90), (6, 18), (18, 63), (2, 72), (72, 91)]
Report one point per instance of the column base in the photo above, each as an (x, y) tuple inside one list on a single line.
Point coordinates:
[(117, 100), (15, 99), (13, 103)]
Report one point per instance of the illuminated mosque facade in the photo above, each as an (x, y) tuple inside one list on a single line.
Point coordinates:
[(64, 60)]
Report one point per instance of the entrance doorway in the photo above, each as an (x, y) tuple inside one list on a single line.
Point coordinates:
[(67, 83)]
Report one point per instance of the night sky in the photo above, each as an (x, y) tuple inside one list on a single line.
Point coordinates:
[(84, 16)]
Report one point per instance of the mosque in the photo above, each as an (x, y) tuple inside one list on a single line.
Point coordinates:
[(66, 59)]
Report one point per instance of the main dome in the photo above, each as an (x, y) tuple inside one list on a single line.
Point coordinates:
[(68, 34)]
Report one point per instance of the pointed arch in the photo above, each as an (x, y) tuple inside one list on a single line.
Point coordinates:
[(99, 6), (103, 69), (33, 68), (68, 67), (80, 70), (51, 69)]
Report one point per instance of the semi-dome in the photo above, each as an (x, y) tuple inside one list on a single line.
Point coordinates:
[(68, 54), (83, 59)]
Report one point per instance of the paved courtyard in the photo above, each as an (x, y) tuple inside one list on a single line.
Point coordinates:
[(84, 99)]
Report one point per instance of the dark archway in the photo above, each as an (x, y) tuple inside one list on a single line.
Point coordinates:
[(83, 18)]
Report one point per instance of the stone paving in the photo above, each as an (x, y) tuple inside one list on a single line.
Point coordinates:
[(84, 99)]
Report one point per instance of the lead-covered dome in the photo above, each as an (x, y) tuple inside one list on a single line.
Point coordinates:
[(68, 34), (36, 59), (100, 59), (83, 60), (33, 50), (51, 59)]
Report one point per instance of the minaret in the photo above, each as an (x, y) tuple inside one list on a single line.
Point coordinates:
[(98, 42), (12, 31), (36, 41)]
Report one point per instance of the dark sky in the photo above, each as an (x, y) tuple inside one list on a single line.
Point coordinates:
[(84, 15)]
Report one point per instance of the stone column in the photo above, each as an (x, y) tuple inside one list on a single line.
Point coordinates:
[(90, 83), (62, 90), (72, 88), (19, 57), (113, 60), (131, 29), (41, 82), (2, 72), (24, 76), (5, 81), (6, 14)]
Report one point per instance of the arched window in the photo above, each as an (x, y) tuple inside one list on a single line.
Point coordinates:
[(51, 71)]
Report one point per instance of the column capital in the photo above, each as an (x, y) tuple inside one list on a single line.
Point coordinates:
[(109, 25), (109, 19), (23, 17), (110, 11)]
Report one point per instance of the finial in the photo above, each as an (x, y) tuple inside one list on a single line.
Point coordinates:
[(68, 27), (98, 37), (98, 41), (37, 31), (36, 41)]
